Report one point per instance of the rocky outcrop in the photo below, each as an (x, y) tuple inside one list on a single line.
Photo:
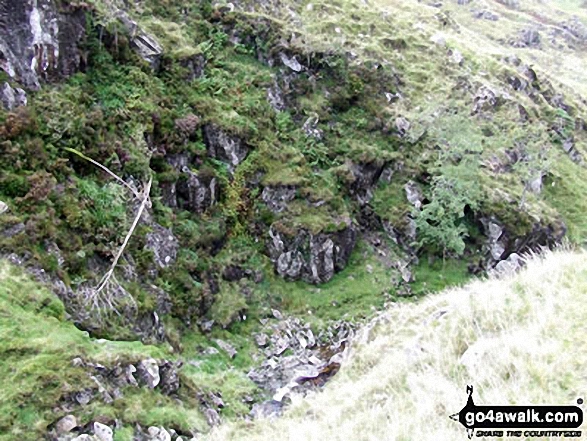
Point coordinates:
[(314, 258), (502, 243), (224, 147), (296, 360), (364, 178), (41, 41), (277, 197), (196, 191), (163, 244), (145, 45)]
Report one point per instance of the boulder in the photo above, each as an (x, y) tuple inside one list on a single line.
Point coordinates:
[(40, 40), (102, 432), (158, 434), (148, 372), (66, 424), (12, 98), (314, 258), (291, 62), (224, 147)]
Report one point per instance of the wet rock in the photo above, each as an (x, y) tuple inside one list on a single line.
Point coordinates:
[(145, 45), (148, 372), (163, 244), (224, 147), (502, 243), (277, 197), (314, 258), (66, 424), (569, 148), (276, 96), (41, 41), (226, 347), (12, 98), (196, 191)]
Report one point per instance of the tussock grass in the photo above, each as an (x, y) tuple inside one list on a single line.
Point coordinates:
[(517, 340)]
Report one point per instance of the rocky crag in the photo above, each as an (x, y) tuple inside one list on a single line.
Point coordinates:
[(320, 160)]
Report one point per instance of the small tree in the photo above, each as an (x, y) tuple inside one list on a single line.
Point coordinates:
[(455, 185)]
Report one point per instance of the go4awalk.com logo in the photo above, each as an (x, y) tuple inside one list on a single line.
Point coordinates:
[(517, 421)]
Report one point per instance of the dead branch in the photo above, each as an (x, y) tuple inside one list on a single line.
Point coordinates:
[(144, 203), (106, 169), (103, 297)]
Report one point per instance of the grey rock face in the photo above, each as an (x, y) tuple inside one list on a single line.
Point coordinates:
[(314, 258), (275, 97), (224, 147), (163, 244), (276, 198), (196, 192), (195, 66), (365, 177), (40, 41), (145, 45), (148, 371), (501, 243), (12, 98), (413, 194)]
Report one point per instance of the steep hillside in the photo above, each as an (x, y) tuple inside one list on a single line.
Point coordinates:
[(517, 340), (240, 185)]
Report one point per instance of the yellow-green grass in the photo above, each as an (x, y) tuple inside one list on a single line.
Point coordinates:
[(407, 371)]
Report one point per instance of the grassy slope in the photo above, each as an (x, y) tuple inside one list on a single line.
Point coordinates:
[(37, 346), (404, 375)]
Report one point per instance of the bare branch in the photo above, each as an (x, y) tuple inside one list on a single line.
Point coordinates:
[(106, 169), (145, 201)]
